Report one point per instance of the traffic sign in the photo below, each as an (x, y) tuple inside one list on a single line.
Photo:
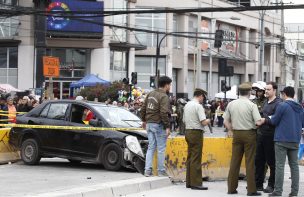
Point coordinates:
[(50, 66)]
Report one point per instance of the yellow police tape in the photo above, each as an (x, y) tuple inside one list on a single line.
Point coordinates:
[(69, 127), (6, 112)]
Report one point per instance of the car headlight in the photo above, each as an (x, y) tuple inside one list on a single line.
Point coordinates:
[(134, 146)]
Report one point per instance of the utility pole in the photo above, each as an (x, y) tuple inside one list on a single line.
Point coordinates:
[(262, 46), (283, 64), (199, 49)]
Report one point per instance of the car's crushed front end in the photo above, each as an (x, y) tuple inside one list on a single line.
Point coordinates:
[(134, 153)]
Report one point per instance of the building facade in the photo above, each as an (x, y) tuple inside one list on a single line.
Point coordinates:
[(113, 53), (294, 50)]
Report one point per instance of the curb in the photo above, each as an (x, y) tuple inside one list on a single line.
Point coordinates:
[(113, 189)]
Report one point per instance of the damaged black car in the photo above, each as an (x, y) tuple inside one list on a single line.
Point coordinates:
[(113, 149)]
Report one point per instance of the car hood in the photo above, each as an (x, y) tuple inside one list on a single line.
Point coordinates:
[(141, 133)]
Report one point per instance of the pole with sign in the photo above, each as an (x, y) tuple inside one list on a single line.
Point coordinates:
[(50, 70)]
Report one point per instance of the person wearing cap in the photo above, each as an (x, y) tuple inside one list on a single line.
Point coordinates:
[(289, 121), (195, 121), (265, 144), (240, 118)]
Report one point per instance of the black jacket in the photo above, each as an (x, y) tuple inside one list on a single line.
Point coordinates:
[(268, 110)]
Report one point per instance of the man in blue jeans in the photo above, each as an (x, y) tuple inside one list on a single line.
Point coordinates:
[(288, 120), (155, 117)]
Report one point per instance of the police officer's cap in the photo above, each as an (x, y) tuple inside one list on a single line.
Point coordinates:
[(245, 86), (201, 91)]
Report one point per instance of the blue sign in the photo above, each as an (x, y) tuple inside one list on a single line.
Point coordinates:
[(87, 23)]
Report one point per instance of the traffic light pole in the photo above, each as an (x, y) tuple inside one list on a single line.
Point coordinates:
[(225, 87), (158, 45)]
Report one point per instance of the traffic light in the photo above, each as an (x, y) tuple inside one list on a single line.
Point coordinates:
[(152, 81), (218, 38), (223, 85), (134, 78), (125, 81)]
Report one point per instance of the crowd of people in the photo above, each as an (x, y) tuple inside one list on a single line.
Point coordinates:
[(266, 130), (11, 106)]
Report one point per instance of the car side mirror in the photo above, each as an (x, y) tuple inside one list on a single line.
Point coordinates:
[(95, 123)]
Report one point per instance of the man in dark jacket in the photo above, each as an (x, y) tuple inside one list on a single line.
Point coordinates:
[(155, 117), (265, 144), (288, 121)]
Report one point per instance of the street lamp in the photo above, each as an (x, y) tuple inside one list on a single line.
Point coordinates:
[(212, 32)]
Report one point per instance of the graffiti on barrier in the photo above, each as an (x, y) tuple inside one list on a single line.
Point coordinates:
[(176, 158)]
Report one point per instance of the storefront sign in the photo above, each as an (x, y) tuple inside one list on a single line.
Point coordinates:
[(50, 66), (85, 23), (204, 29), (231, 37)]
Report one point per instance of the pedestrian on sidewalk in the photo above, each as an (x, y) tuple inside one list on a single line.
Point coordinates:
[(195, 121), (265, 144), (241, 117), (155, 117), (288, 120)]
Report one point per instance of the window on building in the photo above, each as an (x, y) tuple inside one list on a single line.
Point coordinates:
[(145, 67), (8, 27), (73, 62), (192, 27), (121, 20), (9, 65), (155, 22), (245, 3), (118, 65), (175, 29)]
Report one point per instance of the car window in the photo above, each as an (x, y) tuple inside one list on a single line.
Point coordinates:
[(44, 112), (81, 114), (57, 111), (119, 117)]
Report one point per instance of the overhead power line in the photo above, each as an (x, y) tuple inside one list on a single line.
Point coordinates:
[(19, 11)]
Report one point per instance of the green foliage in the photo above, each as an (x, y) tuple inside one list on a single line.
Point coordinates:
[(102, 92)]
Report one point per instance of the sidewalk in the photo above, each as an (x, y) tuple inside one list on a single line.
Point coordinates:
[(216, 189)]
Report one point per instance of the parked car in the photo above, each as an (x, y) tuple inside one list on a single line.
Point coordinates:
[(112, 149)]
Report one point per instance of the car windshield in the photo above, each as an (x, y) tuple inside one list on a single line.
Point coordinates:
[(119, 117)]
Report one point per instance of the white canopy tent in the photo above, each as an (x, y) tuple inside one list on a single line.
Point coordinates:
[(7, 88), (231, 94)]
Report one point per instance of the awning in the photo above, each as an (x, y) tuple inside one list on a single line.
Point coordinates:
[(233, 56), (125, 46), (9, 42)]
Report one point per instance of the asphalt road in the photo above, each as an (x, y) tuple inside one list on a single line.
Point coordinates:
[(52, 175)]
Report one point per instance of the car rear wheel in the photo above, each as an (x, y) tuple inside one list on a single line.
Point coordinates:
[(112, 157), (30, 152)]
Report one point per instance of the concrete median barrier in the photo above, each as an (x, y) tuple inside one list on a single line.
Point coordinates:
[(7, 152), (216, 158)]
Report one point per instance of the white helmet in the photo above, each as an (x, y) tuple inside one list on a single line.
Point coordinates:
[(261, 85)]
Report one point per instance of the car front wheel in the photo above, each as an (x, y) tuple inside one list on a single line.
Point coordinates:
[(30, 152), (112, 157)]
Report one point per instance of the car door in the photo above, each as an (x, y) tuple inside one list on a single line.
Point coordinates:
[(83, 143), (57, 140)]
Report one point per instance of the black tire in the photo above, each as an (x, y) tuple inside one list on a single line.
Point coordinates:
[(112, 157), (30, 152), (72, 161)]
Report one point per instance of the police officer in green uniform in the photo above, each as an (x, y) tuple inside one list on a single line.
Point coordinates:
[(241, 117), (195, 121), (260, 98)]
